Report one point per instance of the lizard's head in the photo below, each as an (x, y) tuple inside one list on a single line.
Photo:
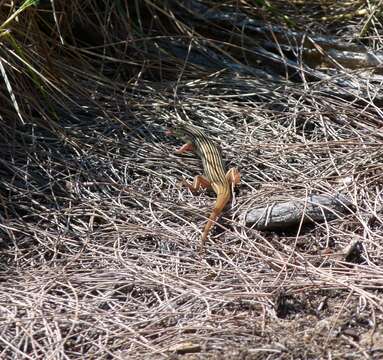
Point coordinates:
[(180, 131)]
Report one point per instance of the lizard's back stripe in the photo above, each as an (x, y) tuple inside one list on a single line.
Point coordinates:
[(211, 158)]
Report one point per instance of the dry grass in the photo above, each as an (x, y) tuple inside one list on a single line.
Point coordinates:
[(99, 245)]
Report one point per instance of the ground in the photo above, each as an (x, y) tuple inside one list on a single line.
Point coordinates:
[(99, 252)]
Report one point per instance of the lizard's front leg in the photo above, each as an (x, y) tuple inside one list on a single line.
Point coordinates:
[(188, 147)]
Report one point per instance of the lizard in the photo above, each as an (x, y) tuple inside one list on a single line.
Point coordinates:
[(216, 179)]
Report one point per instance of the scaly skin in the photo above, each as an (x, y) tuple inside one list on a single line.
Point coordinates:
[(216, 179)]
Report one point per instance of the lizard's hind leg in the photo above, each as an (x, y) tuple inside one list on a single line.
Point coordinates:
[(233, 176), (199, 182)]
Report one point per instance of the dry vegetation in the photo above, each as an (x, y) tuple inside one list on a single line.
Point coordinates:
[(98, 243)]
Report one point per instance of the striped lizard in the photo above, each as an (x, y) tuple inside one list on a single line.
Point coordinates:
[(216, 179)]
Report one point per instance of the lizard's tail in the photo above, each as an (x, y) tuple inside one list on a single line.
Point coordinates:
[(219, 206), (213, 217)]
